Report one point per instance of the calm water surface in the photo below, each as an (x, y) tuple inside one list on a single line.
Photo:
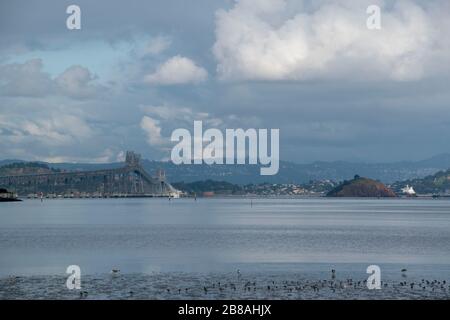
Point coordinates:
[(209, 235)]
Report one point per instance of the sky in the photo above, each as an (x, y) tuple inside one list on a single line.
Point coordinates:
[(137, 70)]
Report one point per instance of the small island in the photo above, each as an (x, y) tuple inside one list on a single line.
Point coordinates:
[(361, 187)]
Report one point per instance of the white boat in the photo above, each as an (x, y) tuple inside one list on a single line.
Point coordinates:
[(408, 191)]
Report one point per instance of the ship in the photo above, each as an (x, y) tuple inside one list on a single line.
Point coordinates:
[(408, 191), (6, 196)]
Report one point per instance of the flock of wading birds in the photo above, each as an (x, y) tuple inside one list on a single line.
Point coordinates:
[(297, 286)]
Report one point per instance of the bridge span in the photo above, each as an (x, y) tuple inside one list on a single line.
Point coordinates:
[(131, 180)]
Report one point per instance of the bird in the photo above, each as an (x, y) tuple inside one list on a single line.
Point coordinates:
[(404, 270)]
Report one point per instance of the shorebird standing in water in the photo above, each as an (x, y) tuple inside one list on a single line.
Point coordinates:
[(404, 273), (115, 271)]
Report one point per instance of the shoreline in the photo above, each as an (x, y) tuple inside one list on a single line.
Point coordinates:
[(244, 197)]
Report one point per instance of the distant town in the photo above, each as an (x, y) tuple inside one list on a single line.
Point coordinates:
[(211, 188)]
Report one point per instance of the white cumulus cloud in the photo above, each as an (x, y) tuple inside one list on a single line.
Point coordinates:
[(75, 81), (297, 40), (177, 70), (153, 130)]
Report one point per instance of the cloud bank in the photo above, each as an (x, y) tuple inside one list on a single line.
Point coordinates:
[(29, 80), (289, 40)]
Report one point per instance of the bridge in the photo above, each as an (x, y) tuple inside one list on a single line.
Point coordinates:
[(131, 180)]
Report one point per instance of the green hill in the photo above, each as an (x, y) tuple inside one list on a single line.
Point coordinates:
[(21, 168), (438, 183)]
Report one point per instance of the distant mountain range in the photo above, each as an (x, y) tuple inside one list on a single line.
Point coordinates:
[(289, 172)]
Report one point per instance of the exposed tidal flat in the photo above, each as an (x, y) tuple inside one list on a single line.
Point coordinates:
[(222, 285), (186, 249)]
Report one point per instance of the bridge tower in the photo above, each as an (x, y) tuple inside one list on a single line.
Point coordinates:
[(161, 177), (132, 159)]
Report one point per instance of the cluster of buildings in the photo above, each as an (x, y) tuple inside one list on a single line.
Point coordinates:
[(314, 188)]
